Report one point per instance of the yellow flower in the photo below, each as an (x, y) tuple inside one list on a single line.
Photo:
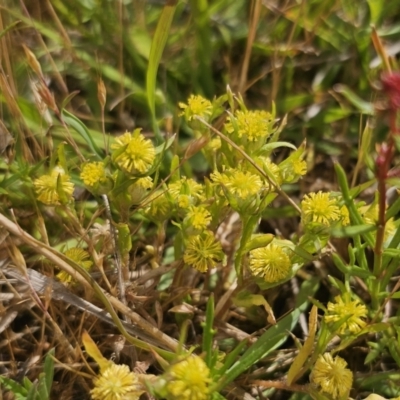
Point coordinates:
[(78, 255), (342, 308), (320, 208), (344, 212), (203, 251), (370, 214), (93, 173), (158, 206), (198, 217), (251, 124), (332, 376), (197, 105), (55, 188), (117, 383), (299, 167), (214, 144), (187, 187), (189, 380), (270, 262), (242, 184), (133, 153)]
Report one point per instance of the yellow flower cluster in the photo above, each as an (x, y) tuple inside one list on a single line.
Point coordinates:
[(242, 184), (133, 153), (320, 208), (252, 125), (331, 376), (116, 383), (342, 308), (196, 106), (203, 251), (270, 262), (54, 188), (93, 173), (189, 380)]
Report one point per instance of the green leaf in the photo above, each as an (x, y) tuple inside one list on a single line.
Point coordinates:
[(49, 369), (363, 106), (349, 231), (19, 391), (77, 124), (157, 47), (9, 27), (269, 341)]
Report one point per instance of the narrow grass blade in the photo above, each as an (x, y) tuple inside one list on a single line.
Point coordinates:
[(157, 48)]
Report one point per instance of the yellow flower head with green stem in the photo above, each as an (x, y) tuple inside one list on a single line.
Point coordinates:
[(270, 263), (251, 125), (344, 307), (196, 106), (54, 188), (197, 218), (186, 191), (203, 251), (117, 382), (331, 376), (133, 153), (242, 184), (93, 173), (319, 208), (189, 380)]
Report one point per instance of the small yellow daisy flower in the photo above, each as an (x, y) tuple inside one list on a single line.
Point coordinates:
[(342, 308), (78, 255), (242, 184), (133, 153), (93, 173), (300, 167), (332, 376), (197, 105), (320, 208), (189, 380), (270, 262), (198, 217), (252, 125), (186, 186), (203, 251), (48, 187), (117, 383)]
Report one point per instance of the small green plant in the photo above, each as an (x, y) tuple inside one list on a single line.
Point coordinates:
[(37, 390)]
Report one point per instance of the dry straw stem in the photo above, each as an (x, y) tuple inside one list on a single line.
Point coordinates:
[(109, 301)]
